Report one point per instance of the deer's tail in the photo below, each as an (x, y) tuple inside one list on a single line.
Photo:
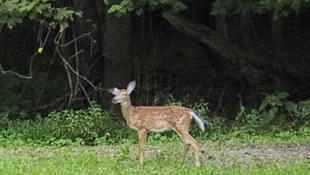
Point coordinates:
[(198, 120)]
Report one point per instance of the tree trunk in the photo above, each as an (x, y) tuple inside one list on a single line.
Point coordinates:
[(117, 42), (245, 33), (277, 38), (221, 26), (207, 36), (235, 55), (253, 69)]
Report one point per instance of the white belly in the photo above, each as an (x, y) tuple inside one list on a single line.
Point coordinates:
[(159, 129)]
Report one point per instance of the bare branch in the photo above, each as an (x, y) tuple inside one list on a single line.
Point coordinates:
[(42, 45), (77, 64), (74, 89), (86, 94), (72, 69), (18, 74), (77, 38), (94, 63), (75, 54)]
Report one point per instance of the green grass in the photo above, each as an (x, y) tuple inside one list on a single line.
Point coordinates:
[(18, 157), (118, 160)]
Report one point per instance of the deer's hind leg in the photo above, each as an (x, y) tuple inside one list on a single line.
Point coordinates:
[(186, 149), (189, 140)]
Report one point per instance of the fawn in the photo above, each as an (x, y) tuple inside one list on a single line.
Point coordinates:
[(157, 119)]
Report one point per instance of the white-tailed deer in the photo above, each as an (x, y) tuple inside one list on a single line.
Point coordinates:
[(157, 119)]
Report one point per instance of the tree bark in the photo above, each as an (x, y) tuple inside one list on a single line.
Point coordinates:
[(117, 42)]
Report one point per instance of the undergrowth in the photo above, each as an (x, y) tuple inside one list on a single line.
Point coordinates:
[(275, 119)]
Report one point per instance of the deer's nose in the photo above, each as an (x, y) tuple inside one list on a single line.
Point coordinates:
[(114, 101)]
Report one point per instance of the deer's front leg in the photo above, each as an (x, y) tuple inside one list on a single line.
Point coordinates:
[(142, 138)]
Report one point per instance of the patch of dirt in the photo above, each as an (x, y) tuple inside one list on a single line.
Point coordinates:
[(47, 152), (229, 154), (263, 154), (223, 153)]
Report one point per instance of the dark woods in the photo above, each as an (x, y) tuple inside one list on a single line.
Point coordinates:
[(190, 56)]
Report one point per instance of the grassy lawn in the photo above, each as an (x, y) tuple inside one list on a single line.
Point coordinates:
[(160, 159)]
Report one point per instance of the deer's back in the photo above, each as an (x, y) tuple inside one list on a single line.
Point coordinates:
[(161, 118)]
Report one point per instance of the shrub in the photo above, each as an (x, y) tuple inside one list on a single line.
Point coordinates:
[(275, 112), (214, 124), (86, 124), (60, 128)]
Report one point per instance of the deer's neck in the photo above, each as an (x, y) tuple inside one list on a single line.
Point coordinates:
[(127, 109)]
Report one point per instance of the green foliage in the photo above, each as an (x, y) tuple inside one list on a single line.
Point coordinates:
[(171, 100), (18, 96), (302, 109), (139, 6), (214, 124), (12, 99), (72, 124), (278, 8), (275, 111), (202, 108), (276, 118), (13, 12), (59, 128)]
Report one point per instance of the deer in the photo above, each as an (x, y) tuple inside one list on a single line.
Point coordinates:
[(158, 119)]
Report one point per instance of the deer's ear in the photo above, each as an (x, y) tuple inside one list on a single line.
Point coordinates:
[(114, 91), (131, 86)]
